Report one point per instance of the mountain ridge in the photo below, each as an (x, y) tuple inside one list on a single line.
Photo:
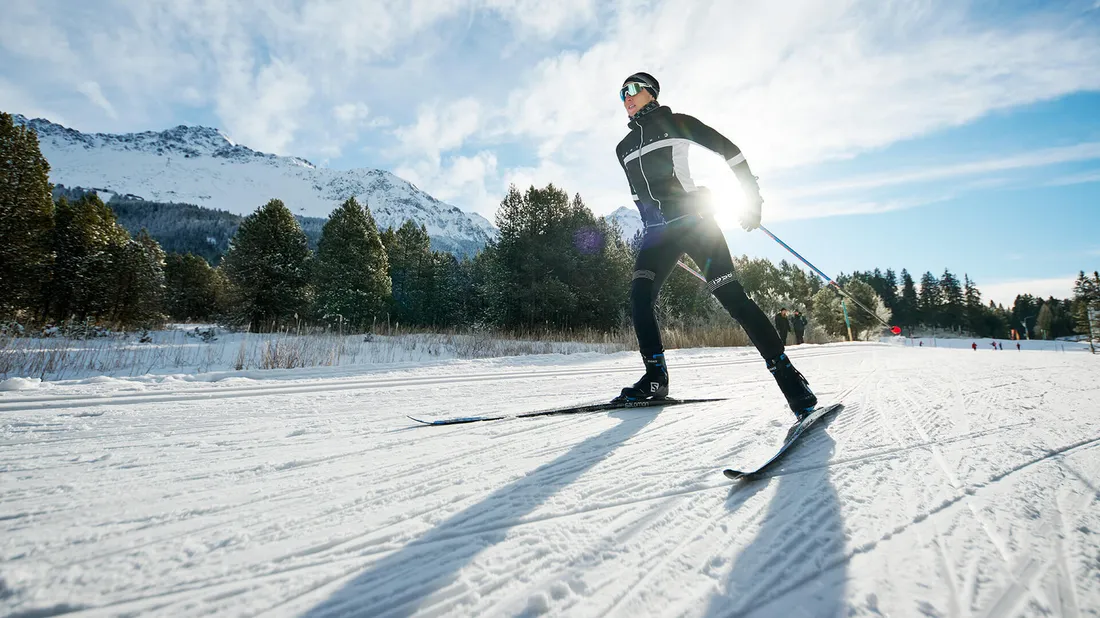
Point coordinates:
[(202, 166)]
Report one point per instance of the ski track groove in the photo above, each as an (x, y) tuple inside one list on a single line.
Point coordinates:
[(1032, 568), (146, 522), (1047, 577), (1067, 590), (937, 539), (676, 552), (952, 477), (202, 394), (28, 403), (920, 519)]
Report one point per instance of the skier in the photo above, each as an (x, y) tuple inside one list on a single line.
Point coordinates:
[(678, 219), (1017, 346), (798, 323), (782, 324), (974, 346)]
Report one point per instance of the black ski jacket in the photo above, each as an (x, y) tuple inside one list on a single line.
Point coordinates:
[(654, 156)]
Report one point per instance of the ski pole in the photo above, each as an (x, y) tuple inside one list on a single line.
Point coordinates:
[(894, 329), (691, 270)]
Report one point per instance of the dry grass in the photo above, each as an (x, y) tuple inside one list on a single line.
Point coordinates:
[(120, 355)]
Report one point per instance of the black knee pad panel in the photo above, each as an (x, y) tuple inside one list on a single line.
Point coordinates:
[(729, 292)]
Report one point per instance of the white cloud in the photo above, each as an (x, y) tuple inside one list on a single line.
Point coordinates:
[(792, 83), (15, 100), (351, 113), (789, 211), (545, 19), (1036, 158), (264, 111), (91, 90), (1076, 179), (469, 180), (1005, 292), (796, 85), (440, 126)]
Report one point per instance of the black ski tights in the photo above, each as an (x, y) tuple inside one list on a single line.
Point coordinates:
[(702, 239)]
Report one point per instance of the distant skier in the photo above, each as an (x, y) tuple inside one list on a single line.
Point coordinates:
[(974, 346), (678, 219), (782, 324), (994, 344), (798, 324), (1017, 346), (1000, 346)]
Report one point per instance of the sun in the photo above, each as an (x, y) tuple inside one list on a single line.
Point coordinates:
[(727, 197)]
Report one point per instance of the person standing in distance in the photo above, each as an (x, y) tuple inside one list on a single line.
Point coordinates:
[(798, 324), (782, 324), (678, 219)]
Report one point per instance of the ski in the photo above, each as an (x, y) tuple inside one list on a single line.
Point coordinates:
[(793, 434), (592, 407)]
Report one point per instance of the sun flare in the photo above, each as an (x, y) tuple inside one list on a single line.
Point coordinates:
[(727, 198)]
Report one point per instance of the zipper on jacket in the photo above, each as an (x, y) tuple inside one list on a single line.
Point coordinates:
[(641, 142)]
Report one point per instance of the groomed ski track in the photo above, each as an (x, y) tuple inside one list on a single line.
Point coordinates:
[(953, 483)]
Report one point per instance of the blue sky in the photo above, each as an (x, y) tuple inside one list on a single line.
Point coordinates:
[(919, 134)]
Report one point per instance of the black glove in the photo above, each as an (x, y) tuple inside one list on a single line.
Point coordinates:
[(750, 216)]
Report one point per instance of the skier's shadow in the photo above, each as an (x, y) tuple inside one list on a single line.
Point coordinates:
[(399, 583), (795, 566)]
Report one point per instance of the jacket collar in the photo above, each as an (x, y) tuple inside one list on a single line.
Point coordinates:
[(647, 113)]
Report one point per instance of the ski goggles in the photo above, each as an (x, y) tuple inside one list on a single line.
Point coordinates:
[(632, 89)]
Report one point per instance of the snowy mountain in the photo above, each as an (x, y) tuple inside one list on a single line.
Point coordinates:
[(630, 222), (202, 166)]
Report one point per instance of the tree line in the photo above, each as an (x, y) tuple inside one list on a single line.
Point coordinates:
[(555, 266), (944, 304), (184, 228)]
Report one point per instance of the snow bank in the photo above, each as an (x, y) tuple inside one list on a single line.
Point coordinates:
[(20, 384)]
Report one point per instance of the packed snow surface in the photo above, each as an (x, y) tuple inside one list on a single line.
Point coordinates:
[(952, 484)]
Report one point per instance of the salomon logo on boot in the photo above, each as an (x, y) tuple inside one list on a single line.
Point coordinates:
[(653, 385)]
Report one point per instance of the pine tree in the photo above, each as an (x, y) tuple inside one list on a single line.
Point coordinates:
[(409, 254), (138, 283), (267, 267), (930, 302), (26, 213), (975, 312), (954, 303), (193, 290), (764, 283), (555, 264), (87, 243), (353, 281), (798, 286), (907, 305), (889, 291), (1086, 307)]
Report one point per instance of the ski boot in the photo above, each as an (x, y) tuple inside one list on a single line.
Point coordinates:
[(794, 386), (653, 385)]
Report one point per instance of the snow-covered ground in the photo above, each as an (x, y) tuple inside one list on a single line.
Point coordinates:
[(952, 484), (986, 344)]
